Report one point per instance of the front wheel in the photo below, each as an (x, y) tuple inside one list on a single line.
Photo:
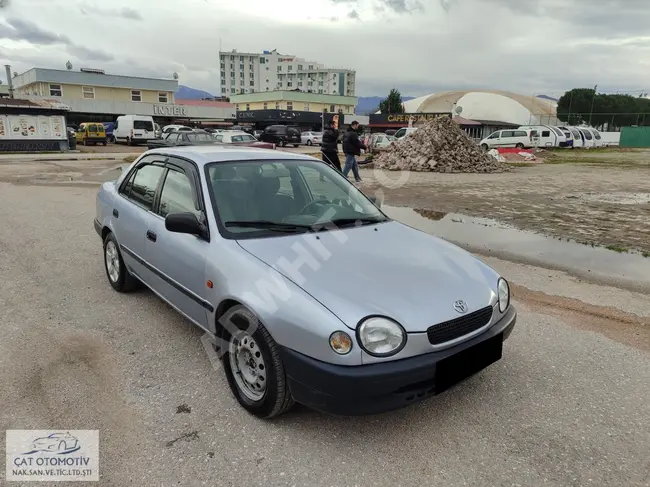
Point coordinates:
[(282, 143), (519, 145), (309, 142), (253, 365), (484, 147)]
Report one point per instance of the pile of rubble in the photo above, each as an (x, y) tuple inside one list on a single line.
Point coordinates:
[(441, 146)]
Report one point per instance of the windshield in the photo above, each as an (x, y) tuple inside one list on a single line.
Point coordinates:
[(143, 125), (200, 137), (263, 198)]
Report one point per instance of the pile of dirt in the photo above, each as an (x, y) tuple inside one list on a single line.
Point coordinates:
[(438, 146)]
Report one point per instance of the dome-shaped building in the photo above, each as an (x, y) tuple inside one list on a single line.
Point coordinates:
[(488, 106)]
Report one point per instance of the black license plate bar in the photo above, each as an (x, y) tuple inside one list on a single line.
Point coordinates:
[(468, 362)]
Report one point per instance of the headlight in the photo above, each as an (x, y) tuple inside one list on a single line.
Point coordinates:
[(381, 337), (504, 294)]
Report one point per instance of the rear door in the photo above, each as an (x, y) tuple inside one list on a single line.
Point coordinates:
[(143, 129), (130, 212), (177, 261)]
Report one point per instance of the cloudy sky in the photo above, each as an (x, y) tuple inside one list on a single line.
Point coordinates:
[(417, 46)]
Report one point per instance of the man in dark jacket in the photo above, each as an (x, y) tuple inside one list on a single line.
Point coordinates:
[(352, 148), (330, 146)]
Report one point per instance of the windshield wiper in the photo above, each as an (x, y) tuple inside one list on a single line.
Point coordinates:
[(269, 225), (343, 222)]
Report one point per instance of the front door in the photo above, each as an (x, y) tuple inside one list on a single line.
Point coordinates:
[(178, 260)]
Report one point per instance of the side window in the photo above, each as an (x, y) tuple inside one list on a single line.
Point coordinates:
[(115, 126), (142, 186), (520, 133), (237, 138), (400, 133), (546, 133), (495, 135), (507, 134), (177, 195)]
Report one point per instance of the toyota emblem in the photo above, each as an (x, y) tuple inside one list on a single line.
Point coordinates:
[(460, 306)]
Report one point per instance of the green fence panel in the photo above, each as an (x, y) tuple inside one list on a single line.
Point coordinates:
[(635, 137)]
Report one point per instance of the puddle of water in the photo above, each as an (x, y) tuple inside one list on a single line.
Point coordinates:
[(616, 198), (490, 237)]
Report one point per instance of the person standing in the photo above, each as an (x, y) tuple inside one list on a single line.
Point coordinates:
[(352, 148), (330, 146)]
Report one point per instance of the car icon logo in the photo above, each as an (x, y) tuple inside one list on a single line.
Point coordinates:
[(460, 306)]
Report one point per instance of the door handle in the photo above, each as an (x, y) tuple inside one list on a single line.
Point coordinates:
[(151, 235), (116, 213)]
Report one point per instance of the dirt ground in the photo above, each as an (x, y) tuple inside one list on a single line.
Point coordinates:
[(599, 197)]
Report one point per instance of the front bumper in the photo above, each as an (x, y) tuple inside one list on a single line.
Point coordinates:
[(376, 388)]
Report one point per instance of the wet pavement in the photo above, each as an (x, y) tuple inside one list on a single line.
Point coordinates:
[(490, 237)]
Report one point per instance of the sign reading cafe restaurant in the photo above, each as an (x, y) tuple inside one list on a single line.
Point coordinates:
[(169, 110)]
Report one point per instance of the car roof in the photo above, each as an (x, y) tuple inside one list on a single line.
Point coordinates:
[(206, 154)]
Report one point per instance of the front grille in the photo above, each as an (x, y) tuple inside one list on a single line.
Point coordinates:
[(458, 327)]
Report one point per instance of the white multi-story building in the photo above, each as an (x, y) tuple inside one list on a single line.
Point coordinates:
[(245, 72)]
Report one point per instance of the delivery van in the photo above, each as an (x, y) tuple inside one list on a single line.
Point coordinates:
[(134, 129), (91, 133)]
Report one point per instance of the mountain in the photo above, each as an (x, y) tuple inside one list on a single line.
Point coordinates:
[(187, 93), (370, 104)]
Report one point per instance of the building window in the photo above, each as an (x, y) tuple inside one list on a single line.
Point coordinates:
[(320, 92), (232, 90), (332, 108), (289, 83), (241, 82), (223, 65), (306, 107), (136, 95), (277, 105), (252, 83), (55, 90), (241, 67), (162, 97), (262, 60), (300, 67), (88, 92), (267, 68), (223, 81), (289, 105), (266, 105), (248, 106), (232, 58), (279, 69), (237, 107), (299, 83), (267, 88), (290, 68), (311, 67)]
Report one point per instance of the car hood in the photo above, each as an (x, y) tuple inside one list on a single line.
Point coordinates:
[(387, 269)]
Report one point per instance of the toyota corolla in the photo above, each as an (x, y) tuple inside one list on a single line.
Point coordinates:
[(310, 293)]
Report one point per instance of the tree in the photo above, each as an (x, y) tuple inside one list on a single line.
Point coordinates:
[(581, 105), (392, 103)]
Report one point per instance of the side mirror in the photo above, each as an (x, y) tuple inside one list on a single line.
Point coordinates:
[(185, 222), (374, 201)]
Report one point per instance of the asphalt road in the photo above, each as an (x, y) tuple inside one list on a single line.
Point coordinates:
[(567, 405)]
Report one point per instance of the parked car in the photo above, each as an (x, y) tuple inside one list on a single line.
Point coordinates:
[(391, 132), (520, 138), (108, 128), (257, 133), (403, 132), (241, 138), (91, 133), (311, 138), (205, 228), (380, 141), (549, 136), (134, 129), (281, 135), (173, 139), (176, 128)]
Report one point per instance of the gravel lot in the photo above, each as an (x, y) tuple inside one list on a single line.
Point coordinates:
[(567, 406)]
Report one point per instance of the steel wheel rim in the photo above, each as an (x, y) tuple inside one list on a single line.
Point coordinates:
[(248, 367), (112, 260)]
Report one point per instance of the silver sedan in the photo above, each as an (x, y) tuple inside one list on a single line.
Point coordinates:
[(307, 291)]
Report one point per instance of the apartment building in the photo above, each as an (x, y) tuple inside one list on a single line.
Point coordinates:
[(294, 101), (246, 72)]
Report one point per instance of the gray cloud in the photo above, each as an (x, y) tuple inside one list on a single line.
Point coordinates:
[(24, 30), (85, 54), (353, 14), (129, 13), (124, 12)]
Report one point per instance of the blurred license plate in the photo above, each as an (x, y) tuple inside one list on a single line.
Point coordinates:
[(468, 362)]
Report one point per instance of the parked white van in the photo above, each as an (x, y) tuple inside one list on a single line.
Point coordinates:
[(589, 142), (520, 138), (134, 129), (598, 140), (548, 136)]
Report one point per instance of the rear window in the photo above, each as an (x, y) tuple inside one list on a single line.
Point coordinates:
[(293, 131), (587, 134), (143, 125)]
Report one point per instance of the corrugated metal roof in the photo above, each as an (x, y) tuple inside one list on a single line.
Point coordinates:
[(465, 121), (33, 104)]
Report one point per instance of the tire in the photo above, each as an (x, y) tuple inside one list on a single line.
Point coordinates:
[(85, 142), (484, 147), (519, 145), (104, 143), (254, 347), (282, 143), (296, 145), (122, 281), (309, 142)]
